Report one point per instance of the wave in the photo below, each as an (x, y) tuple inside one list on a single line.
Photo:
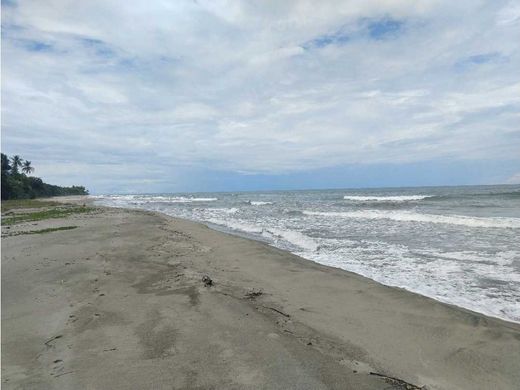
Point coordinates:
[(470, 279), (143, 199), (293, 212), (232, 210), (408, 216), (200, 199), (259, 203), (401, 198), (237, 225), (293, 237), (502, 258), (182, 199)]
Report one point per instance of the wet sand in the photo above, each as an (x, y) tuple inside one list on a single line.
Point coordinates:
[(119, 303)]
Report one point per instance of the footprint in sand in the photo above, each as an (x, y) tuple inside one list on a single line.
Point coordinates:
[(58, 368), (50, 342)]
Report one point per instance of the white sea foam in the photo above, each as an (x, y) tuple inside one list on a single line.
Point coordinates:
[(410, 216), (295, 238), (502, 258), (143, 199), (259, 203), (232, 210), (182, 199), (175, 199), (404, 198), (451, 277), (237, 225)]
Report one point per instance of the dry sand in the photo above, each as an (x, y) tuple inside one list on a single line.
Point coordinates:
[(119, 303)]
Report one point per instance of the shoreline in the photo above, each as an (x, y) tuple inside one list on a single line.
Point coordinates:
[(228, 231), (266, 304), (304, 259)]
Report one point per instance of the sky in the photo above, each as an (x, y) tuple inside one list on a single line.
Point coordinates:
[(169, 96)]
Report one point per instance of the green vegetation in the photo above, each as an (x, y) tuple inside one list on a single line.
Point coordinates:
[(12, 218), (26, 204), (16, 185), (43, 231)]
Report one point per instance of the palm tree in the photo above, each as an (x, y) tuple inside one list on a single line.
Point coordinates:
[(26, 168), (16, 162), (5, 164)]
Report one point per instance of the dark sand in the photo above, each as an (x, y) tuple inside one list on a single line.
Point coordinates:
[(118, 303)]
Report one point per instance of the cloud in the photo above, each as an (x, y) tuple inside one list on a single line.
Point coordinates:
[(515, 179), (264, 88)]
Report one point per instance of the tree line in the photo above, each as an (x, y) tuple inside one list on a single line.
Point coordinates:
[(17, 184)]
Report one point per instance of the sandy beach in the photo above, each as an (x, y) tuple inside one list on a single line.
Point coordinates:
[(117, 301)]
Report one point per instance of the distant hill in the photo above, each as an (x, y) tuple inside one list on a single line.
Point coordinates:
[(16, 184)]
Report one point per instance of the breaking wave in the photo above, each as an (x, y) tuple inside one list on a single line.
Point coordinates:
[(259, 203), (403, 198), (143, 199), (409, 216)]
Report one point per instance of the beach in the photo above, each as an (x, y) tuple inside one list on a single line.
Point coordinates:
[(117, 301)]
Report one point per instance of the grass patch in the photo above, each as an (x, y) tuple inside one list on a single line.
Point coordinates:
[(43, 231), (60, 212), (26, 204)]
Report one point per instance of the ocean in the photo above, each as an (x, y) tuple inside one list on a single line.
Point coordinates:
[(459, 245)]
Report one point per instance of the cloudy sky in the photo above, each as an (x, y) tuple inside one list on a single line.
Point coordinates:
[(153, 96)]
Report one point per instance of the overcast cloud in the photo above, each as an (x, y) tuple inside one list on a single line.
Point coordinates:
[(142, 95)]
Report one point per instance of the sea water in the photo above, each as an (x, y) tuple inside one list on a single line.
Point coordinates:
[(459, 245)]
